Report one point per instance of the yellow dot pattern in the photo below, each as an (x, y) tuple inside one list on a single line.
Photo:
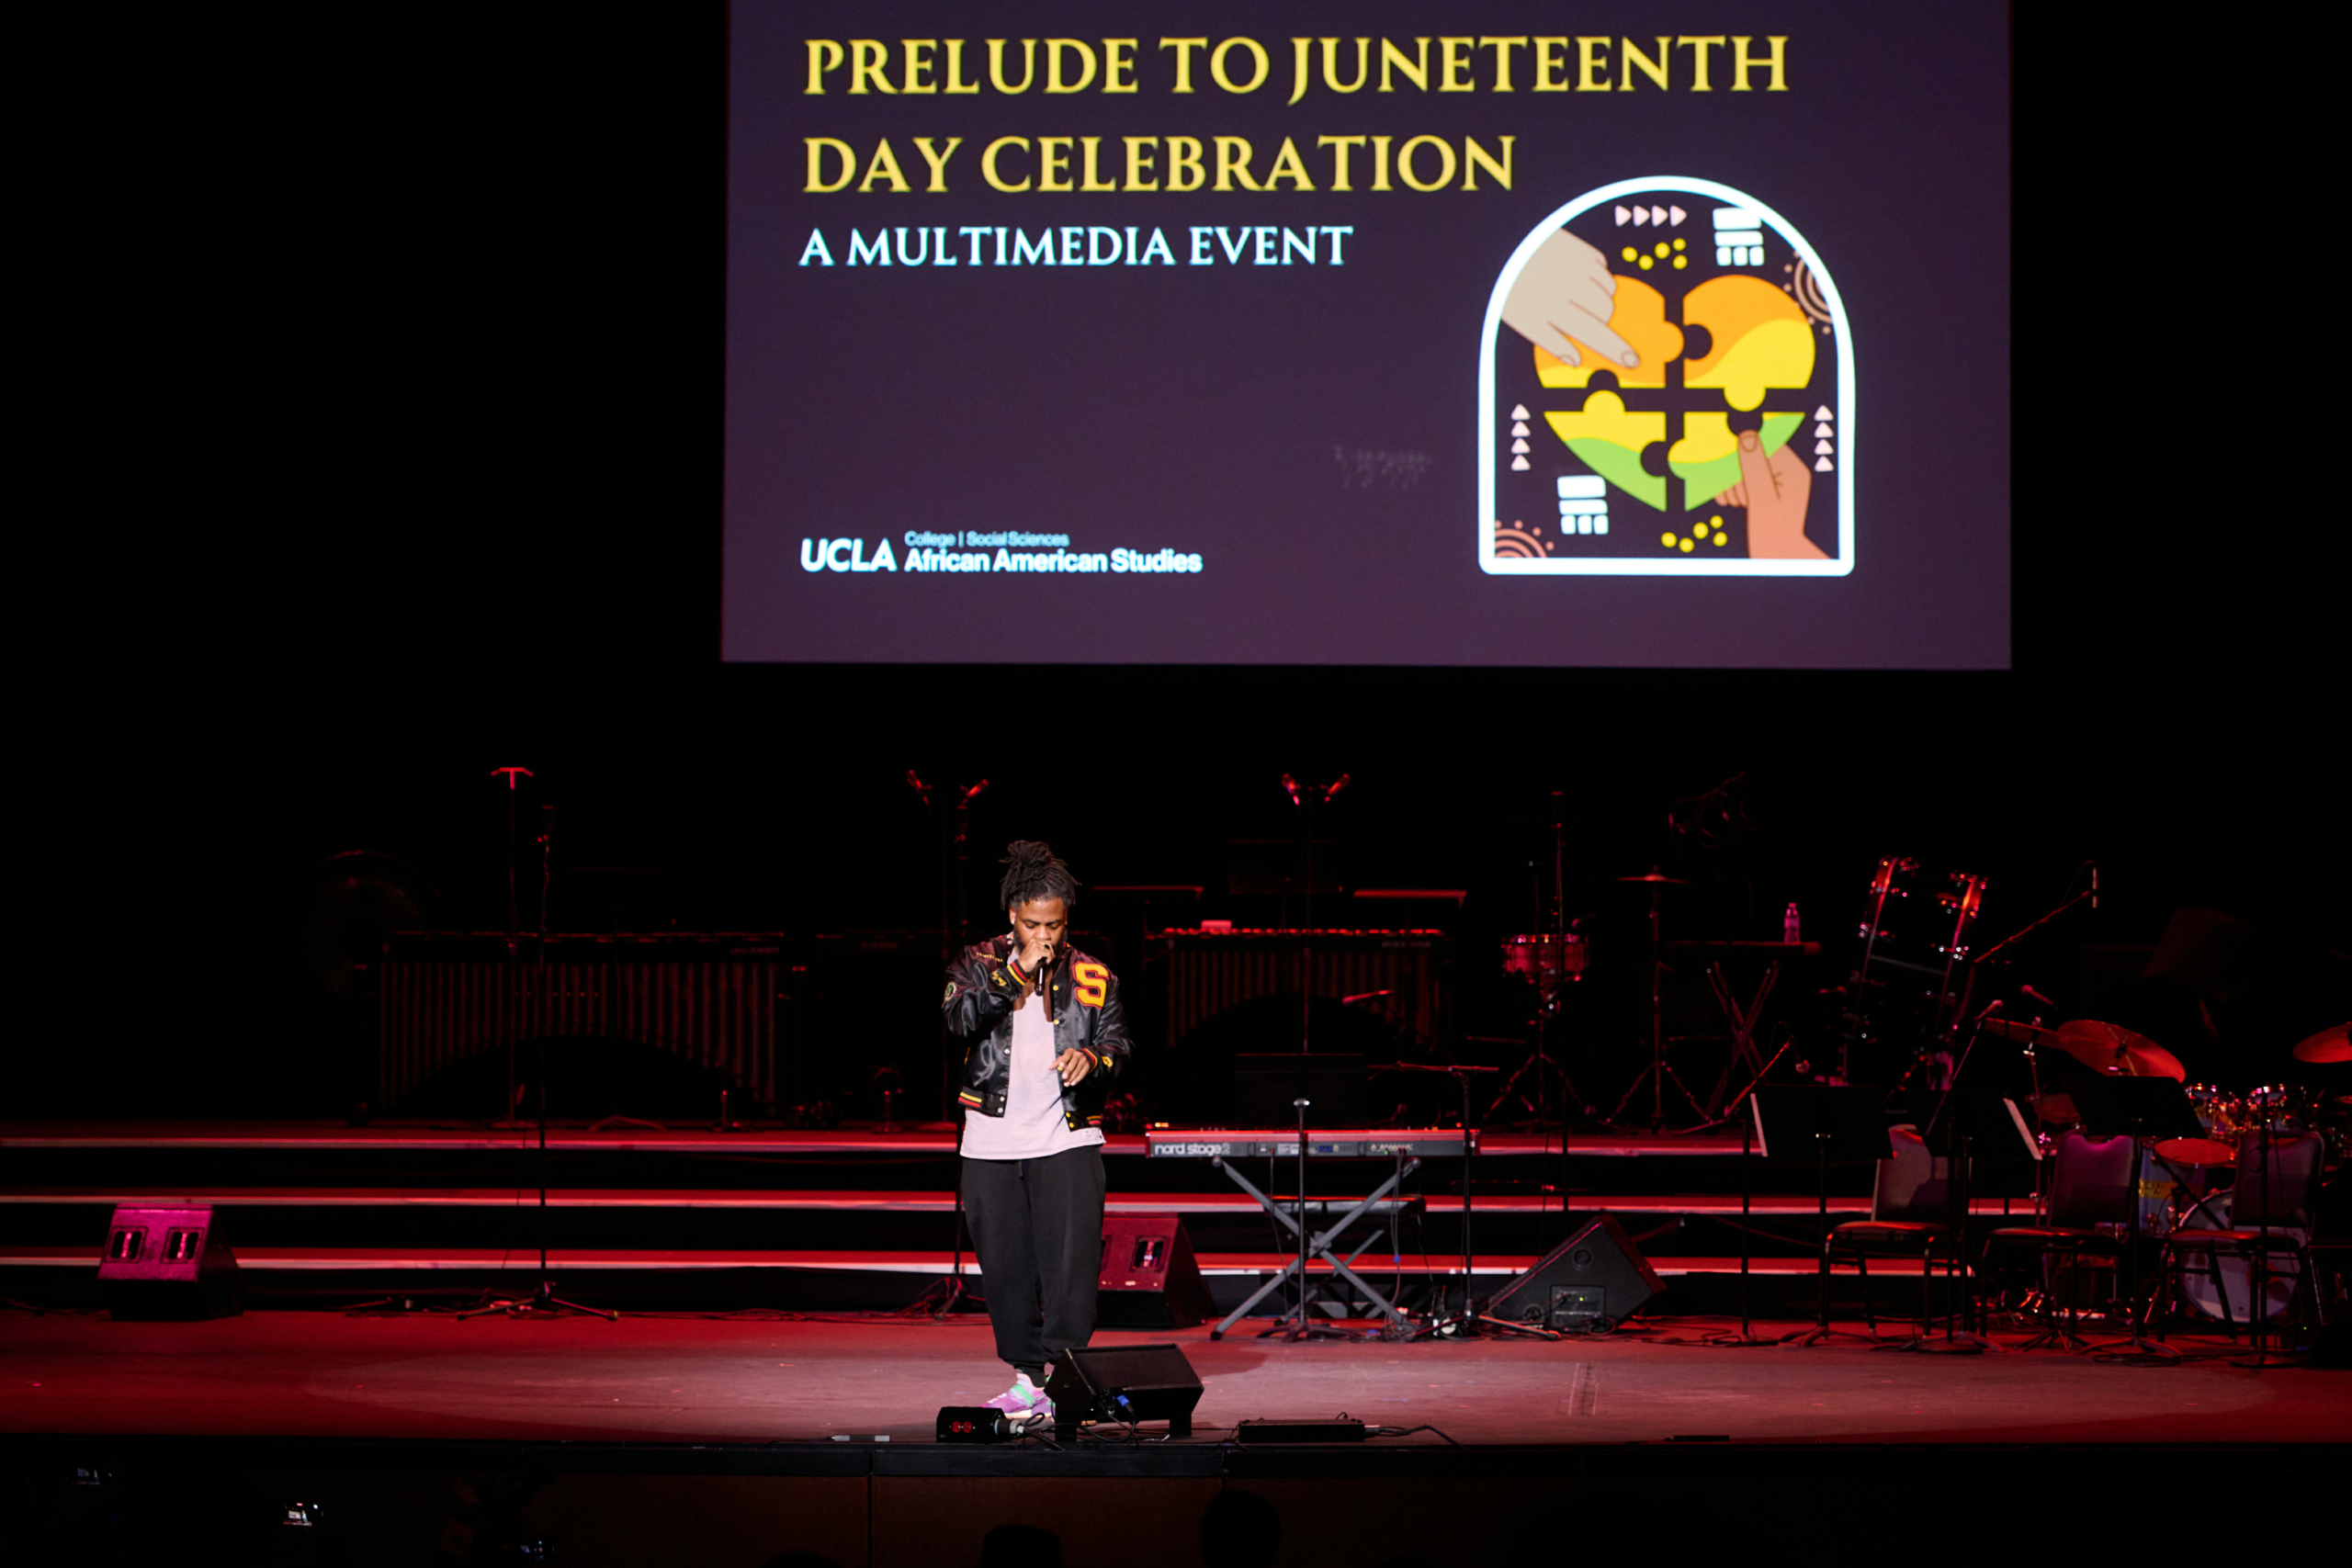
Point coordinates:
[(1711, 532)]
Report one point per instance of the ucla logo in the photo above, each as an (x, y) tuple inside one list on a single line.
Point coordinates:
[(845, 555)]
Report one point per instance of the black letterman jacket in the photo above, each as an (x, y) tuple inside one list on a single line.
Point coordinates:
[(982, 991)]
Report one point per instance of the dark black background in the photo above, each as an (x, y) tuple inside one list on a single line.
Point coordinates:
[(377, 344)]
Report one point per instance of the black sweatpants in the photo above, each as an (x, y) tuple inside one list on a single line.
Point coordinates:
[(1038, 1228)]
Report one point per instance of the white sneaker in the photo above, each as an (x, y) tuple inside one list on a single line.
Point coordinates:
[(1025, 1400)]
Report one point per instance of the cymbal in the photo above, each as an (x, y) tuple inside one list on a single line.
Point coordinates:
[(2328, 1045), (2197, 1151), (2015, 1029), (1653, 875), (2117, 1051)]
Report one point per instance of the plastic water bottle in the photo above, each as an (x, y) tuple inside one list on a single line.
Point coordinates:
[(1789, 927)]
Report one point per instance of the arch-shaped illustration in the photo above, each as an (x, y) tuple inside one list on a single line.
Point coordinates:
[(1666, 388)]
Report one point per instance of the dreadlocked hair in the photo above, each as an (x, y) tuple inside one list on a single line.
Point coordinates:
[(1034, 871)]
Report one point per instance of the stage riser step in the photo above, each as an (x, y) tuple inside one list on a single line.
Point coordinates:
[(327, 1156), (1778, 1296), (184, 1169), (519, 1225)]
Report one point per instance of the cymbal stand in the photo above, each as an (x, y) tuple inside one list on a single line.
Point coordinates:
[(1656, 1074)]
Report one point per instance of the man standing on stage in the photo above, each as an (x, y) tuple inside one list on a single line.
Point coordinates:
[(1046, 1034)]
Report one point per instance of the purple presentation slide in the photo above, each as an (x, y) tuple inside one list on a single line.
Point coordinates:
[(1380, 333)]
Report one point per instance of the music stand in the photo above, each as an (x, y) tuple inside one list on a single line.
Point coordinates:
[(1847, 1125), (2144, 1110), (1264, 1088)]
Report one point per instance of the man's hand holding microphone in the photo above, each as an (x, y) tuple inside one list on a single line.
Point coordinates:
[(1036, 964)]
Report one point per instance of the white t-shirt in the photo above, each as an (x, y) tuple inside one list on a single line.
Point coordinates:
[(1032, 1125)]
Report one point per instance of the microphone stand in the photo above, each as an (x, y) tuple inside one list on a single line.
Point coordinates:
[(510, 1004), (2031, 926), (1464, 1323), (953, 855), (542, 1301), (1301, 799)]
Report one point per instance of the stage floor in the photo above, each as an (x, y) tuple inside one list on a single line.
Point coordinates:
[(683, 1379)]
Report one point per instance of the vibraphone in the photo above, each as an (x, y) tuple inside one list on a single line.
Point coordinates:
[(710, 997)]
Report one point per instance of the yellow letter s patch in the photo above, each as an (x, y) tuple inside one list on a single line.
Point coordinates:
[(1093, 984)]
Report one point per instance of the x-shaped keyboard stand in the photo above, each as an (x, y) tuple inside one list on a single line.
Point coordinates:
[(1319, 1244)]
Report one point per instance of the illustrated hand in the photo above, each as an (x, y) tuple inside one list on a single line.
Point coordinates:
[(1073, 1066), (1565, 292), (1775, 490)]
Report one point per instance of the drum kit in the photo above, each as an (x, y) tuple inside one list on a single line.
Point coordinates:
[(1550, 959), (1554, 959), (1906, 1000), (1908, 990), (2187, 1182)]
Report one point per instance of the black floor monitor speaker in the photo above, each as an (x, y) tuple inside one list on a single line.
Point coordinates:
[(1149, 1278), (1124, 1382), (168, 1262), (1597, 1274)]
